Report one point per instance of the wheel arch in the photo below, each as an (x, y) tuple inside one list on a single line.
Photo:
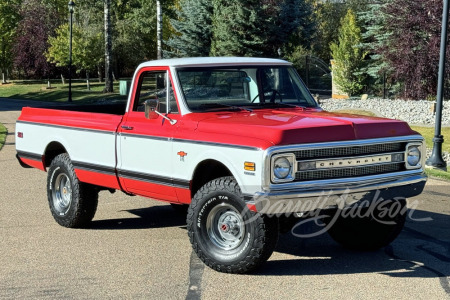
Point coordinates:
[(52, 150), (207, 170)]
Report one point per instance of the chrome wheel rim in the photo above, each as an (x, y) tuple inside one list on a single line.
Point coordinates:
[(62, 194), (225, 227)]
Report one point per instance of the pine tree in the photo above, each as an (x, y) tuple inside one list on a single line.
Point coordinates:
[(296, 25), (375, 36), (194, 30), (240, 28), (348, 56)]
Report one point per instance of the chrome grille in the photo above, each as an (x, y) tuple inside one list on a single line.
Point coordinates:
[(348, 172), (349, 151)]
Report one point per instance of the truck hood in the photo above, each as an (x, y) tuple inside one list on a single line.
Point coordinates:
[(298, 126)]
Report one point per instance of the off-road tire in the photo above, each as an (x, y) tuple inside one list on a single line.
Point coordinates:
[(72, 203), (250, 240), (370, 232)]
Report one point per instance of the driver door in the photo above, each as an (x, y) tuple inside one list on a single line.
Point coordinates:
[(145, 145)]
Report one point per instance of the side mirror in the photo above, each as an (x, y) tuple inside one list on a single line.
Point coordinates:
[(151, 111), (151, 108)]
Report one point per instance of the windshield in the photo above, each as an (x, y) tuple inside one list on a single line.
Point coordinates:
[(220, 88)]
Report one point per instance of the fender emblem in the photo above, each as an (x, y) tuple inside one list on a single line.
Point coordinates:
[(182, 154)]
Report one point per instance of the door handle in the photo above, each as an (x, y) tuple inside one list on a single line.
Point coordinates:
[(127, 127)]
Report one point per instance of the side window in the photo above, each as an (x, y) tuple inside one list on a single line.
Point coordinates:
[(153, 85)]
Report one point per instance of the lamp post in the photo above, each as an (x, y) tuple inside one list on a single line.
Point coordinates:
[(71, 6), (436, 160)]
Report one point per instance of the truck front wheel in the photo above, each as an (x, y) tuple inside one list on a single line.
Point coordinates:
[(72, 203), (226, 235), (368, 229)]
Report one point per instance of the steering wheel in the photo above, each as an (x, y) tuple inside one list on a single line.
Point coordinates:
[(272, 98), (253, 100), (274, 95)]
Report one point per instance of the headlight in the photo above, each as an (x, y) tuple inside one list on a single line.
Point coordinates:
[(283, 167), (413, 156)]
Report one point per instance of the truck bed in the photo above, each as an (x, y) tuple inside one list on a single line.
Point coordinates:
[(116, 108)]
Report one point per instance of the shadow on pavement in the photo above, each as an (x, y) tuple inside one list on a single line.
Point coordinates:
[(9, 104), (147, 218), (422, 250)]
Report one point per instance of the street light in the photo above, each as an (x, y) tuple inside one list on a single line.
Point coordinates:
[(71, 6), (436, 160)]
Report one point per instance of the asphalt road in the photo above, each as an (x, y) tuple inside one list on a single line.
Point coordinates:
[(138, 248)]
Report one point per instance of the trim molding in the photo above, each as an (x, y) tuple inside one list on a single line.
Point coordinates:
[(180, 183), (67, 127), (29, 155)]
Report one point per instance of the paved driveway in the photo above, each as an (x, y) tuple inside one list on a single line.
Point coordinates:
[(138, 248)]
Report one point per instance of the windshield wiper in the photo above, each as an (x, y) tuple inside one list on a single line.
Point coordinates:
[(221, 105), (284, 104)]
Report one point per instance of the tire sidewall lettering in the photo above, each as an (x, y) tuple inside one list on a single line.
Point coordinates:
[(202, 211), (246, 244), (52, 177)]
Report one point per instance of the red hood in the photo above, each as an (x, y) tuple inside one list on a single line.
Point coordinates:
[(295, 126)]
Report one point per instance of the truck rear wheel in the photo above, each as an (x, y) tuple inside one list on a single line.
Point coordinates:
[(370, 228), (226, 235), (72, 203)]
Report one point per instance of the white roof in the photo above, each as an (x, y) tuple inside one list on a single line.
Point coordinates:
[(212, 61)]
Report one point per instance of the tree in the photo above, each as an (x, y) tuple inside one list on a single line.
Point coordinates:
[(375, 36), (87, 50), (412, 46), (108, 48), (348, 56), (36, 25), (193, 28), (294, 26), (8, 25), (328, 15), (260, 28), (135, 34), (238, 28)]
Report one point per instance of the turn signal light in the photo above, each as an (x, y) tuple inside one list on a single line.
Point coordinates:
[(249, 166)]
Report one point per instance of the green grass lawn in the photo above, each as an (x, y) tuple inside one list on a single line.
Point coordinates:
[(428, 134), (37, 90), (3, 133), (438, 174)]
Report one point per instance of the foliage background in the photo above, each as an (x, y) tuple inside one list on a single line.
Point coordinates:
[(399, 39)]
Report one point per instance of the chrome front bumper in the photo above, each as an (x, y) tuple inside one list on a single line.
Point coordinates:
[(338, 193)]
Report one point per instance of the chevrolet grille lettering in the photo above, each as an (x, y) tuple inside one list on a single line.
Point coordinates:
[(339, 163)]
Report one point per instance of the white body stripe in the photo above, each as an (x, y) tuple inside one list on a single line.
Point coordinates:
[(145, 155), (87, 146)]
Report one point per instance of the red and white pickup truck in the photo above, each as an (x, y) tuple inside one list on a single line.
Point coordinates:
[(242, 144)]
